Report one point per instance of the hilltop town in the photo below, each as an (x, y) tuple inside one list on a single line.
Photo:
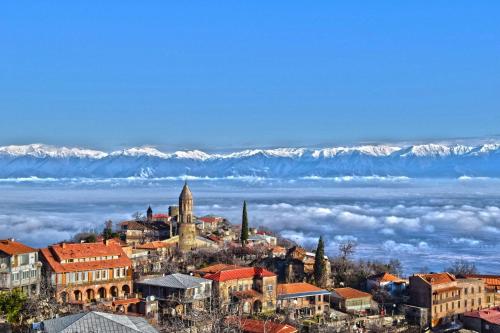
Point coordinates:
[(178, 272)]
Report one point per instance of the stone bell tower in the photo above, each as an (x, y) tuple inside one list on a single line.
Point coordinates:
[(185, 222)]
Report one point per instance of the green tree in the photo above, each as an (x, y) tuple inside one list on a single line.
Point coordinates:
[(244, 225), (320, 265), (11, 303)]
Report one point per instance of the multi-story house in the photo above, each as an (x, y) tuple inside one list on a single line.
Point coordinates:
[(177, 294), (302, 299), (248, 289), (492, 289), (445, 297), (88, 272), (19, 267), (472, 294)]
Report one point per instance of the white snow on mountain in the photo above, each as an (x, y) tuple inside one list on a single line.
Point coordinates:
[(40, 151), (422, 160)]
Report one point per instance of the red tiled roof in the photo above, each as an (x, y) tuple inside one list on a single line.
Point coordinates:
[(213, 238), (490, 280), (491, 316), (385, 277), (260, 326), (65, 251), (348, 293), (12, 247), (437, 278), (161, 216), (210, 219), (212, 269), (296, 288), (54, 254), (239, 273), (154, 245)]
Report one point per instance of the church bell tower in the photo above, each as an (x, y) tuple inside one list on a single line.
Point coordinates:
[(186, 225)]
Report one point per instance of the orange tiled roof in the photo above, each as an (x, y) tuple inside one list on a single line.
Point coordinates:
[(12, 247), (386, 277), (239, 273), (348, 293), (154, 245), (65, 251), (53, 256), (437, 278), (278, 249), (260, 326), (296, 288), (490, 280), (212, 269)]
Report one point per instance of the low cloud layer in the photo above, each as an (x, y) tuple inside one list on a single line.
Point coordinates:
[(423, 226)]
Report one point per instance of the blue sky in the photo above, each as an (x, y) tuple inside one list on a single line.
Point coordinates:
[(233, 74)]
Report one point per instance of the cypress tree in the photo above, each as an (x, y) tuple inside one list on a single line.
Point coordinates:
[(319, 264), (244, 225)]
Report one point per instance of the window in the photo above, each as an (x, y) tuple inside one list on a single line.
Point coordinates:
[(466, 291), (24, 259), (478, 301), (15, 276), (459, 304), (269, 287), (465, 303), (472, 302), (241, 287), (33, 273)]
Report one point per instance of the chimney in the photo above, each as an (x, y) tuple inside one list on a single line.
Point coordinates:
[(63, 245)]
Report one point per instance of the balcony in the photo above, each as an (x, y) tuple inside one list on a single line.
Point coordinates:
[(445, 300)]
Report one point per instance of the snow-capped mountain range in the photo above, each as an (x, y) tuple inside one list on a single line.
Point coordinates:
[(423, 160)]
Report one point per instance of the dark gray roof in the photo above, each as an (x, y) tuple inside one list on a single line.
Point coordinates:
[(175, 281), (98, 322)]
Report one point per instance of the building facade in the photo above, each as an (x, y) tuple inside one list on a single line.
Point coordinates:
[(250, 290), (302, 299), (177, 294), (445, 296), (88, 272), (19, 267), (351, 300)]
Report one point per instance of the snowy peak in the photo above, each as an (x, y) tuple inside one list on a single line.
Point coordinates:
[(41, 151)]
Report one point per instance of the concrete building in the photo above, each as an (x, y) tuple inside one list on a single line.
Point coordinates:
[(19, 267), (87, 272), (302, 299), (250, 290), (351, 300)]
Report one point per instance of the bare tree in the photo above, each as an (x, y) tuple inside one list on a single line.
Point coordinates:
[(462, 267)]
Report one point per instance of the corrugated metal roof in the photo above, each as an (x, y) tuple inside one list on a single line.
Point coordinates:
[(175, 281), (98, 322)]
